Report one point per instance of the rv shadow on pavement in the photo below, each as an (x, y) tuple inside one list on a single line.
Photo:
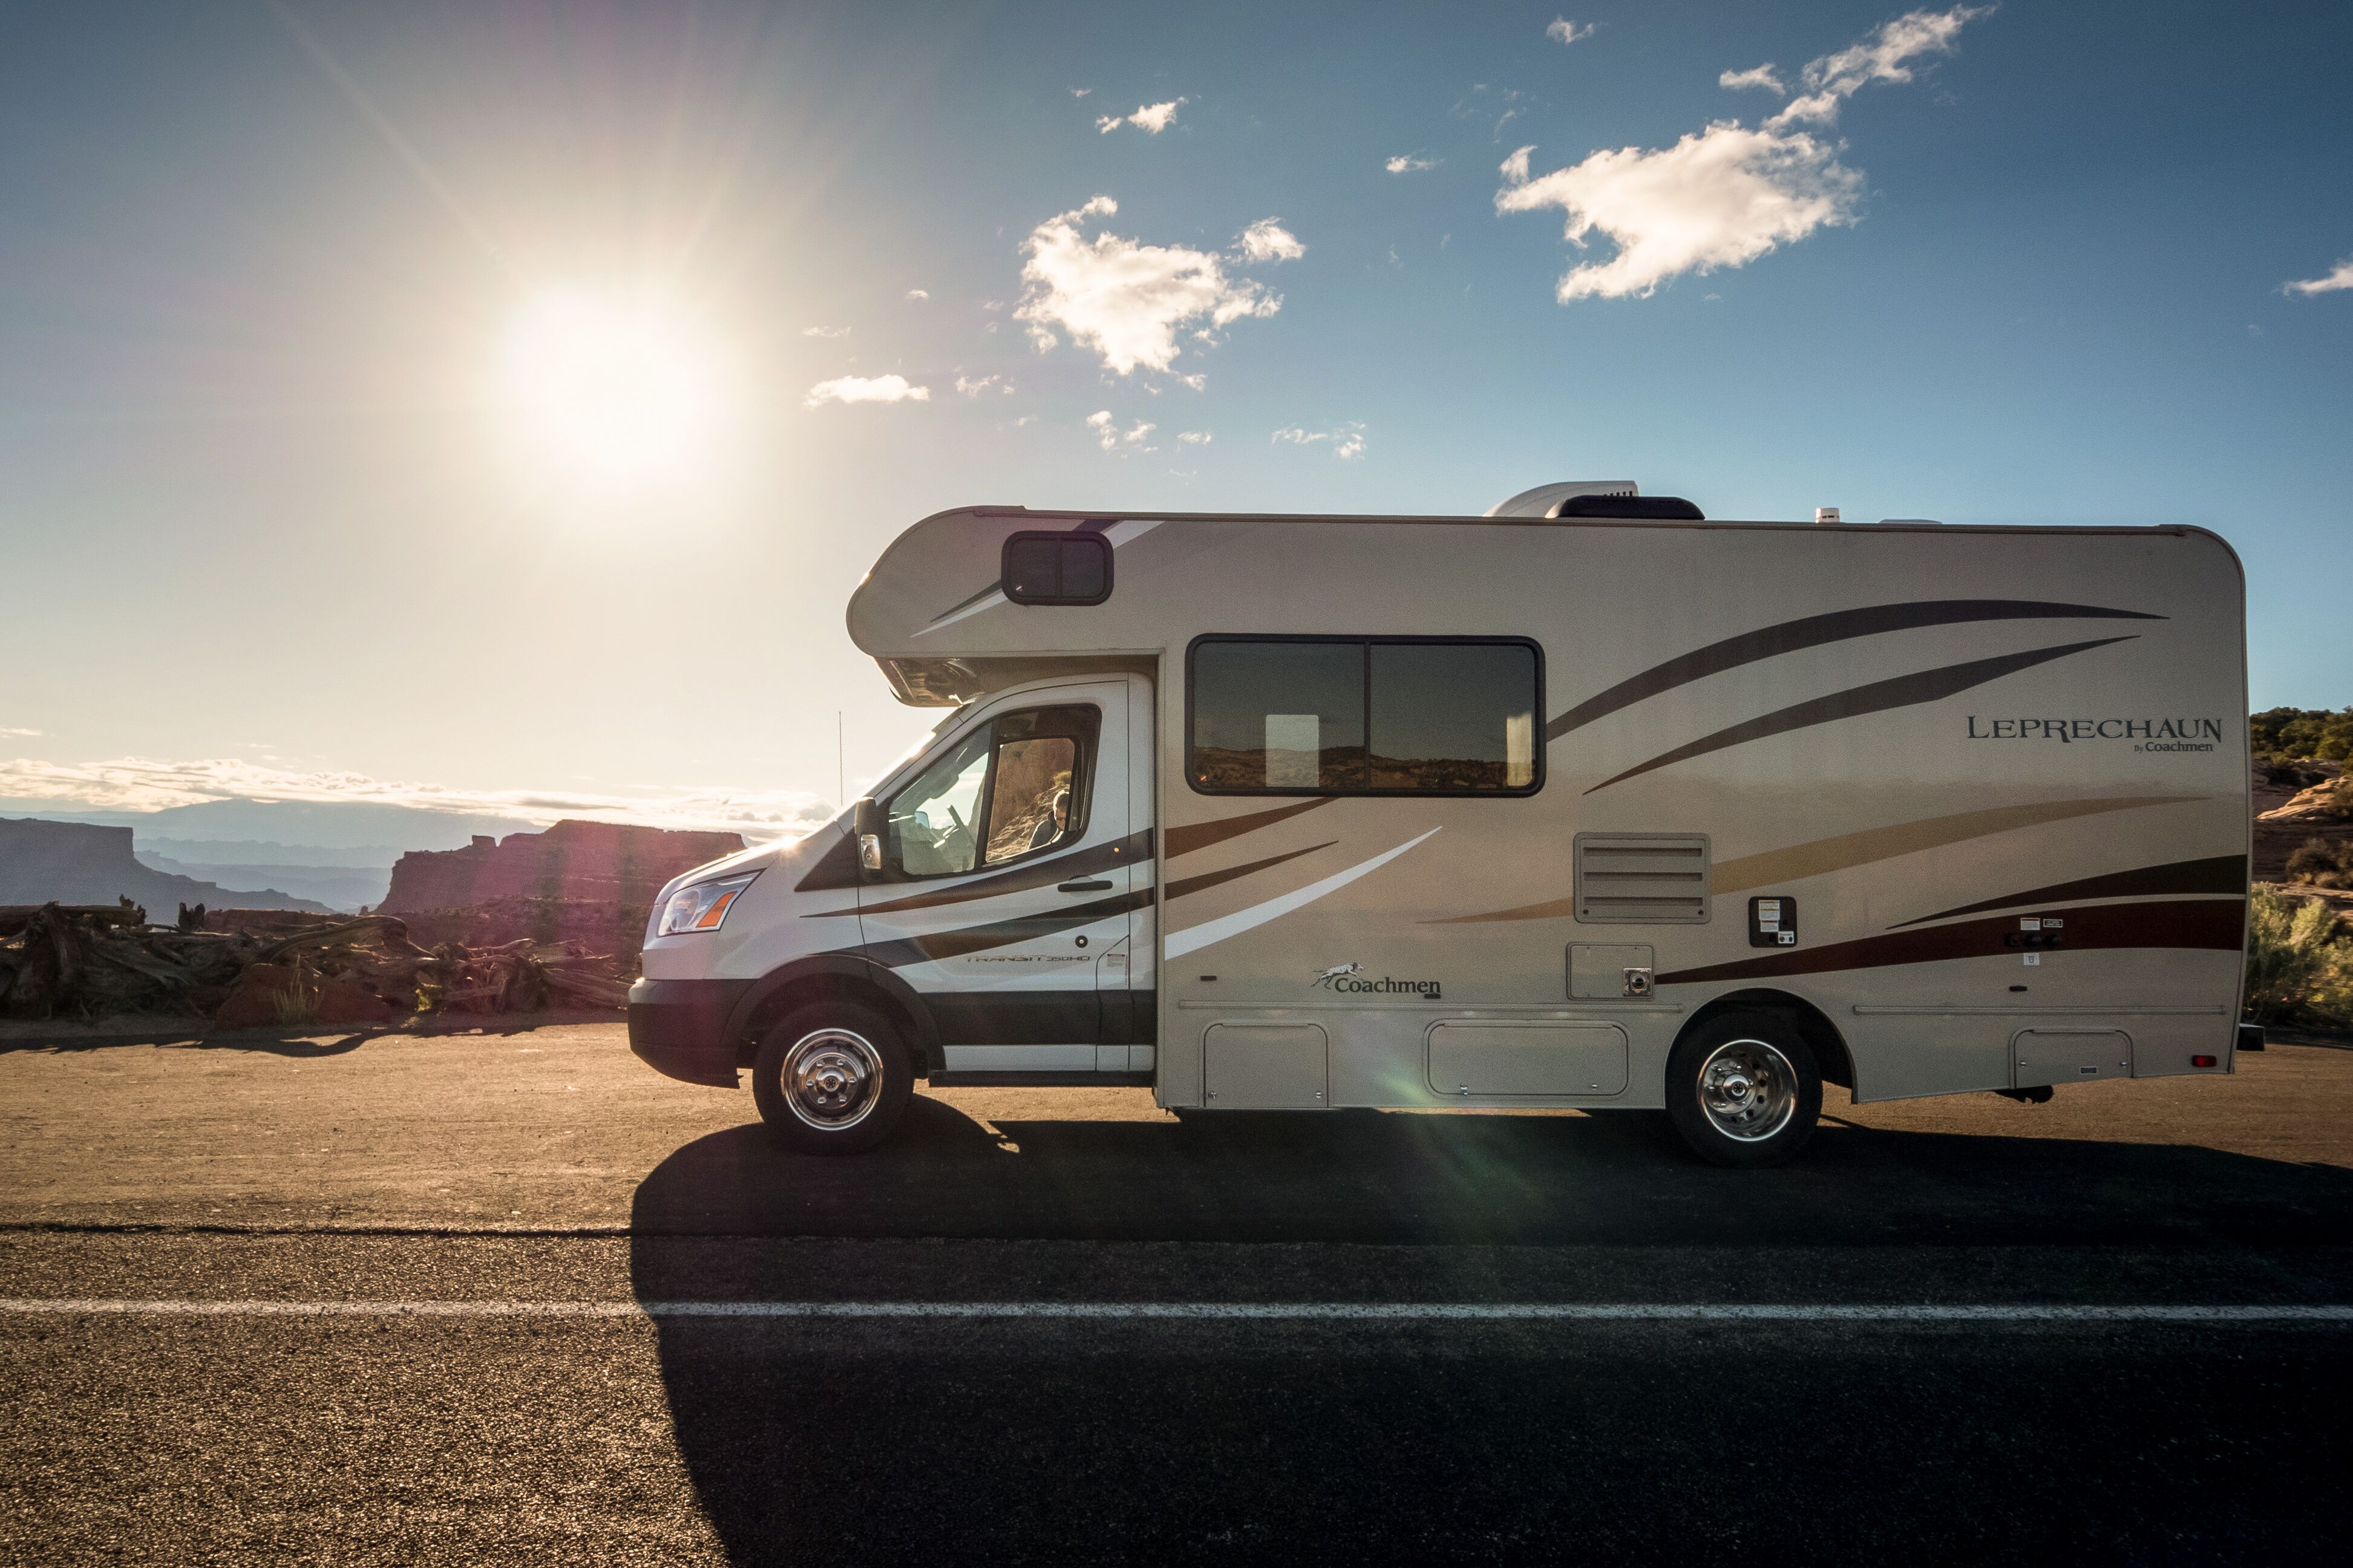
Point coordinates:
[(887, 1440), (1368, 1177)]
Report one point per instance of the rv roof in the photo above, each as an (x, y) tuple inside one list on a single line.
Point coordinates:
[(1052, 514)]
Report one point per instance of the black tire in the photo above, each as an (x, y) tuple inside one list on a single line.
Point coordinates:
[(1767, 1094), (853, 1078)]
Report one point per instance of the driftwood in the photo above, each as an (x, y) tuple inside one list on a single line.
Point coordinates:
[(56, 962)]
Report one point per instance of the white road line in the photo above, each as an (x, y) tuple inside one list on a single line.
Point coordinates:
[(1217, 1311)]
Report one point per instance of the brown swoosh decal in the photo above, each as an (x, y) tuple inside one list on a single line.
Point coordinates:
[(1135, 848), (2212, 925), (1902, 691), (1179, 889), (2217, 874), (1201, 835), (1813, 631), (1851, 850), (1001, 933), (1847, 850)]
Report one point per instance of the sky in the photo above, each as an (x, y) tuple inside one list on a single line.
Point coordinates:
[(492, 407)]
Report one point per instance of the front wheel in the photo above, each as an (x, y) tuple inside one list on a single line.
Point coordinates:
[(1743, 1090), (832, 1079)]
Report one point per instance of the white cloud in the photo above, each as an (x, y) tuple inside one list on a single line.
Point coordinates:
[(1763, 76), (1080, 92), (1150, 118), (1885, 55), (825, 332), (1125, 299), (28, 732), (148, 784), (919, 293), (1720, 197), (973, 386), (1268, 240), (1729, 193), (867, 389), (1195, 437), (1564, 31), (1411, 164), (1348, 439), (2339, 276), (1111, 437)]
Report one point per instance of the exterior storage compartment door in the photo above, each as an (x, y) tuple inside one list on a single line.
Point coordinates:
[(1268, 1066), (1475, 1060), (2070, 1056)]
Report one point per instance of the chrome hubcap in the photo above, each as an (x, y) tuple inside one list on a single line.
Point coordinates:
[(1748, 1090), (832, 1079)]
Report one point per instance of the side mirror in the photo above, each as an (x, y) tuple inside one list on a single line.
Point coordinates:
[(868, 821)]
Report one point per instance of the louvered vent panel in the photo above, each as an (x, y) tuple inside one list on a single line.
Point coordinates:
[(1641, 878)]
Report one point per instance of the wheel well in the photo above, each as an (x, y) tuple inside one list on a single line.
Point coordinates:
[(1821, 1036), (805, 989)]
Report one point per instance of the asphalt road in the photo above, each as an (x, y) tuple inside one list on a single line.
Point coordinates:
[(419, 1300)]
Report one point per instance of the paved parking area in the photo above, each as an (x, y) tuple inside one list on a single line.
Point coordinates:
[(545, 1197)]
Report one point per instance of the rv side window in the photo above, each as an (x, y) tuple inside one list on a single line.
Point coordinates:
[(1072, 568), (1363, 716)]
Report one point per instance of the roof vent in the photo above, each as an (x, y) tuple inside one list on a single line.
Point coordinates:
[(1826, 514), (1545, 499)]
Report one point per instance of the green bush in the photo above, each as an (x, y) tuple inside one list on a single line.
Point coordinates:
[(2322, 864), (2287, 732), (2299, 962)]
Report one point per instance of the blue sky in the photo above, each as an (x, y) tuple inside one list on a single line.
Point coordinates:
[(290, 510)]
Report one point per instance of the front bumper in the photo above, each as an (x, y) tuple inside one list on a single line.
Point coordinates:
[(680, 1028)]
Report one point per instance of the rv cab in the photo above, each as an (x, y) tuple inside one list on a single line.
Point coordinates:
[(1586, 803)]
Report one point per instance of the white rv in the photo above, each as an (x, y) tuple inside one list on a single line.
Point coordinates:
[(1587, 803)]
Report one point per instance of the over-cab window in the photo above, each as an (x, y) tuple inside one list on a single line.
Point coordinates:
[(1069, 568), (1013, 787), (1363, 716)]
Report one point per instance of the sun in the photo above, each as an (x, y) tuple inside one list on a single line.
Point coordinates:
[(610, 395)]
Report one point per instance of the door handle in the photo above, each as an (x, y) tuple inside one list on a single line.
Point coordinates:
[(1085, 885)]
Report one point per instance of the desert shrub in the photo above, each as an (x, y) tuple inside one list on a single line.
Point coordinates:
[(2322, 864), (2278, 768), (2302, 732), (2299, 962)]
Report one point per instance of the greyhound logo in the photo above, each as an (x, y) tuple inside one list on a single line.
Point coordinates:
[(1330, 979)]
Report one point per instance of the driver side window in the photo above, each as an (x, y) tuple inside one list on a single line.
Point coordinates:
[(1016, 785), (934, 822)]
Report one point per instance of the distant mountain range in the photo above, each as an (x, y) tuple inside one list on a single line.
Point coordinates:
[(243, 854), (92, 863)]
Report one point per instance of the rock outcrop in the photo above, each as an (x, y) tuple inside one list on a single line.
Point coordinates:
[(573, 862)]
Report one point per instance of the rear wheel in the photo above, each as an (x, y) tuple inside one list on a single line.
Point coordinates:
[(1743, 1089), (832, 1079)]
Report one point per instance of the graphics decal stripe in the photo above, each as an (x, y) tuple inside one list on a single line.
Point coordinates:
[(1812, 631), (1902, 691), (837, 868), (2217, 874), (1201, 835), (2207, 924), (1177, 889), (1848, 850), (1197, 937), (903, 950), (1134, 850)]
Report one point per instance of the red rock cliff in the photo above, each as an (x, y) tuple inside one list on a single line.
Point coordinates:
[(600, 862)]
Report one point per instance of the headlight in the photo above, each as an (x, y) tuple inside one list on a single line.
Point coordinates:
[(702, 907)]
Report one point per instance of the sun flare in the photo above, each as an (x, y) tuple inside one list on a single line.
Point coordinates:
[(611, 396)]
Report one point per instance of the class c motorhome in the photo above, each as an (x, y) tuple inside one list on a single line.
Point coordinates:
[(1587, 803)]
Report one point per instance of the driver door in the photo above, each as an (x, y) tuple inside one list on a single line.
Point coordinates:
[(1007, 874)]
